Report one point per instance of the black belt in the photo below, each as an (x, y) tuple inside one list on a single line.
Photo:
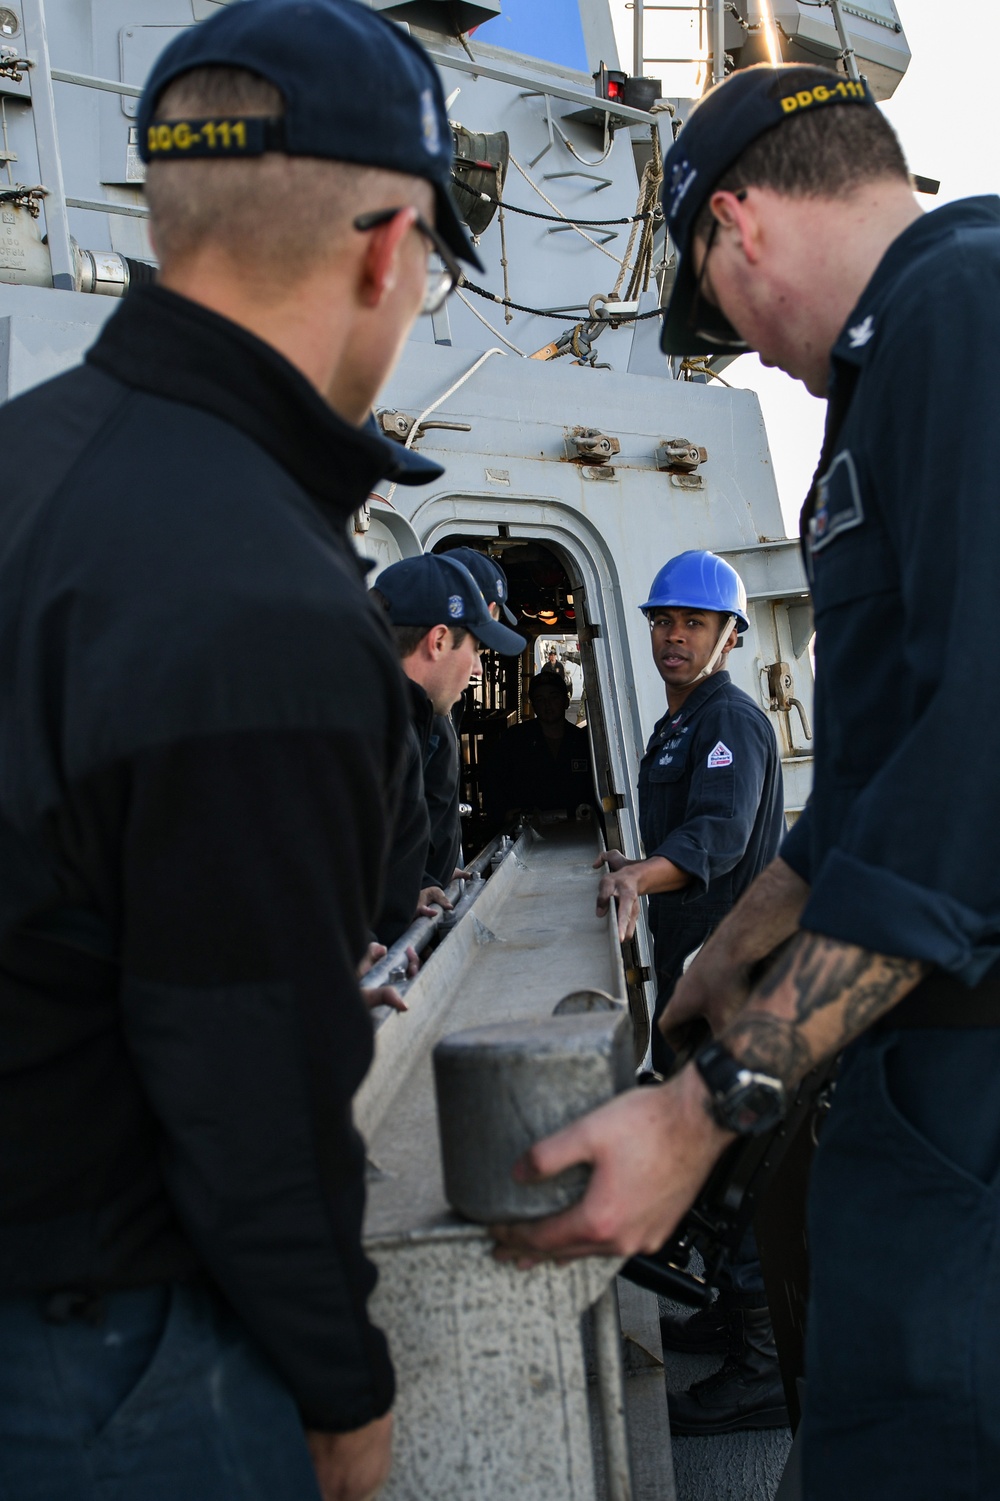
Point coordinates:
[(942, 1000)]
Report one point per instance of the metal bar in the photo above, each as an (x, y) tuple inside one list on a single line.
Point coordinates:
[(848, 53), (637, 60), (417, 936), (87, 81), (102, 206), (611, 1394), (420, 933), (541, 86), (47, 146), (718, 40)]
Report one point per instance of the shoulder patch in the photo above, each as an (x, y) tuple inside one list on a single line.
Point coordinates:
[(838, 502), (720, 755)]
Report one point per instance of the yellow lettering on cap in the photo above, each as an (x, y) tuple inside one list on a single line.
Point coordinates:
[(789, 103), (804, 97), (821, 93)]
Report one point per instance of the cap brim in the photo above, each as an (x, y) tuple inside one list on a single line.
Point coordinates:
[(451, 229), (688, 329), (496, 636), (508, 615)]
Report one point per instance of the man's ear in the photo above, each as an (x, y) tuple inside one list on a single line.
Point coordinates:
[(380, 266), (738, 212), (731, 641), (437, 640)]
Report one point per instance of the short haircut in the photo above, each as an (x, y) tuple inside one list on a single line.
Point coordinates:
[(277, 215), (820, 153), (549, 682), (409, 637)]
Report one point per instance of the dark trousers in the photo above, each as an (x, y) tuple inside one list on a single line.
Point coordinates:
[(158, 1395), (903, 1344), (675, 938)]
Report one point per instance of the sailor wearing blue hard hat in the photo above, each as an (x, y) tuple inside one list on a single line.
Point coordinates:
[(711, 818)]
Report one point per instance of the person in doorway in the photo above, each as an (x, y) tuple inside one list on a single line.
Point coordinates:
[(553, 664), (798, 234), (202, 720), (711, 818), (542, 764), (441, 623)]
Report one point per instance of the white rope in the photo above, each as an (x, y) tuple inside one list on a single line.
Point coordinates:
[(486, 324), (546, 199), (414, 430)]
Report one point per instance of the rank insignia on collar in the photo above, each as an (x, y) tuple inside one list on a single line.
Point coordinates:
[(861, 332)]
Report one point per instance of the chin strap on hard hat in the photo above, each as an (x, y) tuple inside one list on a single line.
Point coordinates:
[(710, 665)]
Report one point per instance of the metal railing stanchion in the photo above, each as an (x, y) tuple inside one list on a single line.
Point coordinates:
[(43, 110)]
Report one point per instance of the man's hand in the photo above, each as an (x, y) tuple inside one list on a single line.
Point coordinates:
[(628, 880), (429, 898), (716, 985), (651, 1151), (613, 859), (622, 887), (712, 987), (352, 1466), (385, 995)]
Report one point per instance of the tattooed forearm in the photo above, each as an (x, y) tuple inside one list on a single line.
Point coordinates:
[(818, 995), (769, 1044)]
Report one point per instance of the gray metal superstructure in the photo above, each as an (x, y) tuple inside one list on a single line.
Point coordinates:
[(592, 465)]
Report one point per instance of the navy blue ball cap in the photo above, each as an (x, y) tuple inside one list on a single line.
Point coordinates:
[(433, 590), (488, 575), (720, 128), (357, 88)]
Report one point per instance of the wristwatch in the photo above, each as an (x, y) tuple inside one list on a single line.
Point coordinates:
[(740, 1099)]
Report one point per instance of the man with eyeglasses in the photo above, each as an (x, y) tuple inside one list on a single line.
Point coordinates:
[(205, 716)]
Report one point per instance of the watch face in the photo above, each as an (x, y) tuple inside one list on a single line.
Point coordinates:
[(755, 1106)]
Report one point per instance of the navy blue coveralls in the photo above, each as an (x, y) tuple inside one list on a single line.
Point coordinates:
[(899, 845), (710, 800)]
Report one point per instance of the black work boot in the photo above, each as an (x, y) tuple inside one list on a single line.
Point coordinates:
[(745, 1393), (710, 1331)]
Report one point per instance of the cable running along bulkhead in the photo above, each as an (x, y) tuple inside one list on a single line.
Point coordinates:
[(540, 312), (530, 213)]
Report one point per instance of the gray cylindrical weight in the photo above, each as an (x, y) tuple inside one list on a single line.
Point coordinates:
[(502, 1088)]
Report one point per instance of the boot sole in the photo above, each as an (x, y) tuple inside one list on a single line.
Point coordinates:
[(720, 1347), (771, 1417)]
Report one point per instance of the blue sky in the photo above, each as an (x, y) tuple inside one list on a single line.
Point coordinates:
[(549, 29)]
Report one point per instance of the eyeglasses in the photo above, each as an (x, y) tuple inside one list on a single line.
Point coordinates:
[(440, 283), (699, 294)]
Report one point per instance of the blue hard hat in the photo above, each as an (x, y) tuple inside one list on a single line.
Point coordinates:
[(700, 580)]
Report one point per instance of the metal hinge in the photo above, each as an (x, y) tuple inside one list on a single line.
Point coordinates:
[(12, 66), (399, 425), (679, 456), (612, 802), (588, 445), (637, 976), (781, 687)]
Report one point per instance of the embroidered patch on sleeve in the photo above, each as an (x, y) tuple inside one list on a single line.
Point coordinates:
[(721, 755)]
